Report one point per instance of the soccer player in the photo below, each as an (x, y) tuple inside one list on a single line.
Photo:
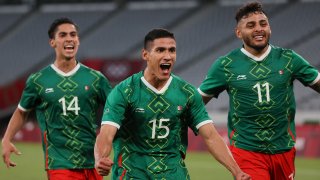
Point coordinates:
[(147, 117), (259, 80), (65, 96)]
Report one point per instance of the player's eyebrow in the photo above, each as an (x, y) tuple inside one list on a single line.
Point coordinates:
[(160, 48), (172, 49)]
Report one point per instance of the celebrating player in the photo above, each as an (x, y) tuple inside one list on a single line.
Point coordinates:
[(65, 96), (147, 117), (259, 80)]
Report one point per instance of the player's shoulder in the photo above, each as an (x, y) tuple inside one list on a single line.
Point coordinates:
[(178, 79), (179, 82), (276, 50), (234, 54), (132, 80), (89, 69), (44, 71)]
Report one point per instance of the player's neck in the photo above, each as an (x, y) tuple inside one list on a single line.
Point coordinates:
[(256, 52), (153, 80), (65, 65)]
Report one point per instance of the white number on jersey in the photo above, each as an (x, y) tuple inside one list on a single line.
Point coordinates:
[(161, 126), (73, 105), (265, 85)]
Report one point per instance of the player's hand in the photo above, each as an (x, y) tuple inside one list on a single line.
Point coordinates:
[(243, 176), (7, 149), (103, 166)]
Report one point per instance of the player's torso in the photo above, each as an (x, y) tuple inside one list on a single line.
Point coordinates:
[(262, 102), (156, 122), (154, 134), (257, 87), (67, 96), (66, 114)]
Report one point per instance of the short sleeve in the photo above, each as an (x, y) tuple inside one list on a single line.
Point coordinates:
[(115, 107), (30, 95), (214, 82), (303, 71), (197, 114)]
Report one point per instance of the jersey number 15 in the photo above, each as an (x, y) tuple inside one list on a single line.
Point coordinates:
[(160, 127)]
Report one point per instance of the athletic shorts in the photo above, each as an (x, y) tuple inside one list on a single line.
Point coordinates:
[(73, 174), (262, 166)]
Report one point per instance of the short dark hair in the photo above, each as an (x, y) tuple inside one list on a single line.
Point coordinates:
[(57, 22), (248, 9), (156, 34)]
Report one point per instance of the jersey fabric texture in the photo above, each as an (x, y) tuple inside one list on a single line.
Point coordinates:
[(65, 106), (262, 104), (153, 126)]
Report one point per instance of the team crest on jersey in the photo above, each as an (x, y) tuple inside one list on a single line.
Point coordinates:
[(179, 108), (281, 72), (241, 77), (86, 88), (49, 90)]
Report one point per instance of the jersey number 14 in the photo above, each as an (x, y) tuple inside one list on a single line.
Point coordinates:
[(72, 105)]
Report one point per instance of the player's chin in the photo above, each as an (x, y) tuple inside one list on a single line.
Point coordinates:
[(260, 45), (69, 56), (164, 76)]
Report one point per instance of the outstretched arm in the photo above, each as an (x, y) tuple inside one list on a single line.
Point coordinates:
[(102, 149), (316, 86), (219, 150), (15, 124)]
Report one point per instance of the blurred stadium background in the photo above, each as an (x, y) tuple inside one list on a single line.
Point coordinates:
[(111, 34)]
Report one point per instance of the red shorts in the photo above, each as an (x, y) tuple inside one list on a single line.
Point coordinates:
[(73, 174), (262, 166)]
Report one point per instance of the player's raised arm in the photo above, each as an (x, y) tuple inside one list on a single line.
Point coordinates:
[(220, 151), (15, 124), (103, 148)]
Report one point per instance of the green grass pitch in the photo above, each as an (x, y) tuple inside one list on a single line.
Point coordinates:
[(200, 165)]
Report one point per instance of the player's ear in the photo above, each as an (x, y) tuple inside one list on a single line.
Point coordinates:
[(144, 54), (52, 43), (238, 32)]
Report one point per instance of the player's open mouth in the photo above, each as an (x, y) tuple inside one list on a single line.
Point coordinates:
[(258, 37), (165, 66), (69, 47)]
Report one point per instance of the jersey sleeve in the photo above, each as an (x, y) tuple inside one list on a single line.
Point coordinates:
[(30, 95), (115, 107), (215, 82), (105, 88), (303, 71), (197, 114)]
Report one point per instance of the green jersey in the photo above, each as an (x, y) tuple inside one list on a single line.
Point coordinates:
[(65, 105), (262, 104), (153, 126)]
